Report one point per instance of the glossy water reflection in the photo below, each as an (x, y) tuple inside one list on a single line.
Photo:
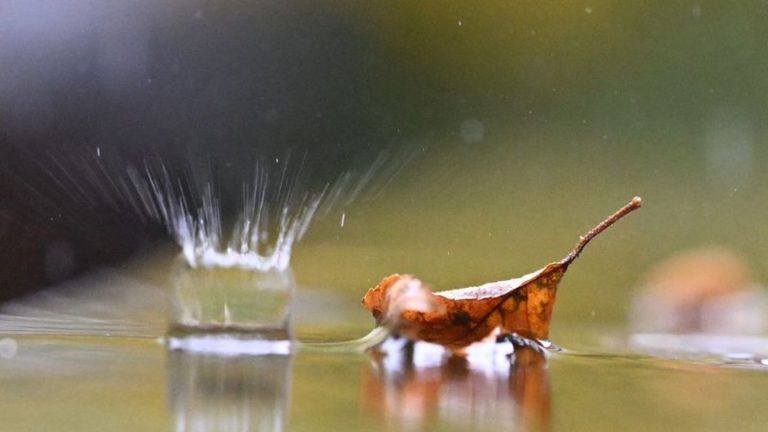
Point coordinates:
[(89, 357), (228, 393), (459, 393)]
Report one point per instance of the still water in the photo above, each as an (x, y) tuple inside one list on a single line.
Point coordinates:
[(119, 383), (90, 357)]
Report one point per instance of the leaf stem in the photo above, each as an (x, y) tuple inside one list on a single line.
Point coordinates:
[(634, 204)]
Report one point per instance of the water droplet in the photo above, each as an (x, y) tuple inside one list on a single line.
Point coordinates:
[(8, 348), (472, 131), (696, 11)]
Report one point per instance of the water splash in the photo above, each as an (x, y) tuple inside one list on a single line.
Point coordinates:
[(255, 241), (275, 210), (94, 197)]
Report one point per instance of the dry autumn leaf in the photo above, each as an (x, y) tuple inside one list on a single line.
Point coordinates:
[(459, 317)]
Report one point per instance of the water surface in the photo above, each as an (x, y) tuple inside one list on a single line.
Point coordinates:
[(86, 360)]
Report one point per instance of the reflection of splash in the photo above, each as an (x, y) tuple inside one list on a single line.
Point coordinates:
[(241, 393), (460, 391)]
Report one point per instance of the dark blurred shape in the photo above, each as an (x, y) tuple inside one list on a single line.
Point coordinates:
[(459, 391), (228, 393), (49, 233), (707, 290)]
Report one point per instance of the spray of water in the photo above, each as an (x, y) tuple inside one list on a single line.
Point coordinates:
[(276, 210), (253, 242), (277, 204)]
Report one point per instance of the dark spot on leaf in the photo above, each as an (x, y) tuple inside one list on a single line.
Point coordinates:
[(461, 318)]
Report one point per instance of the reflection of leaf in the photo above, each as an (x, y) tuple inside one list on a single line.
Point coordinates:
[(457, 318), (458, 392)]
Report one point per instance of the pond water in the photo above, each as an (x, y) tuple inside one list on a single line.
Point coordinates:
[(90, 356), (122, 383)]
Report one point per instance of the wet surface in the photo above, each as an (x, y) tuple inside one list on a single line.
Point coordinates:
[(78, 359), (128, 384)]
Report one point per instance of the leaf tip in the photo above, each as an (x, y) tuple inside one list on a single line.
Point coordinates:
[(634, 204)]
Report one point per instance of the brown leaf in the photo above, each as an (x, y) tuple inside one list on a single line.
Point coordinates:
[(459, 317)]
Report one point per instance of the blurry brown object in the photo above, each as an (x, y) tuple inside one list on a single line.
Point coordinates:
[(460, 317), (708, 290), (457, 393)]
